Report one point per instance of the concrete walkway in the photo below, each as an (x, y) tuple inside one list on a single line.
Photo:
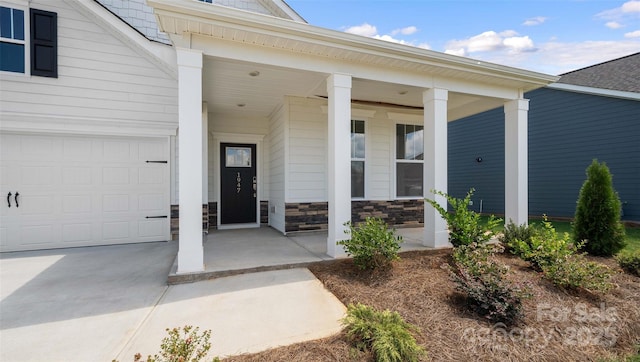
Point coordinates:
[(101, 303)]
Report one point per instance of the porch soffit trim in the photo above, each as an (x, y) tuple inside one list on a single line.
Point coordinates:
[(180, 17), (355, 112)]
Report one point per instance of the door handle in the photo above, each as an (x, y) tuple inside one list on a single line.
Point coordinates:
[(9, 198), (16, 198)]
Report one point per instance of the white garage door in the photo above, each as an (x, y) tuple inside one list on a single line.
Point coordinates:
[(63, 191)]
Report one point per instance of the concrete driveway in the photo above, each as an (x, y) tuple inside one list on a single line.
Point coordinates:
[(101, 303)]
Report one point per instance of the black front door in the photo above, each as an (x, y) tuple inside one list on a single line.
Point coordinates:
[(238, 183)]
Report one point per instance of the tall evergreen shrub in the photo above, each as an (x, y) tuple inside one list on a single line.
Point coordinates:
[(597, 218)]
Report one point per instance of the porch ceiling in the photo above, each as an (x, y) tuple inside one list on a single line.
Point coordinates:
[(233, 88), (295, 58)]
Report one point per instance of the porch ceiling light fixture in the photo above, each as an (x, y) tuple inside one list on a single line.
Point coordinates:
[(254, 73)]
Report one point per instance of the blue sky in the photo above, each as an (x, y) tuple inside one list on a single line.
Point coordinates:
[(548, 36)]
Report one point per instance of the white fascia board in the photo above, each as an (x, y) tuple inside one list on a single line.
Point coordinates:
[(595, 91), (267, 25), (162, 55)]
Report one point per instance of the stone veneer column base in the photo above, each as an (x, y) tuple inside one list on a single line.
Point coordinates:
[(313, 216)]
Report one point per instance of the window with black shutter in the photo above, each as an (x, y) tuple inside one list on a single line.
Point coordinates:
[(44, 43)]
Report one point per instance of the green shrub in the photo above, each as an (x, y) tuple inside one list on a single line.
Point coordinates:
[(482, 279), (543, 247), (514, 232), (576, 272), (465, 226), (384, 333), (182, 345), (597, 218), (372, 244), (629, 262)]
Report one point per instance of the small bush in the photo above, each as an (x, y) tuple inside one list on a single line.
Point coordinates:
[(465, 226), (384, 333), (182, 345), (372, 244), (543, 247), (629, 262), (514, 232), (597, 218), (482, 280), (576, 272)]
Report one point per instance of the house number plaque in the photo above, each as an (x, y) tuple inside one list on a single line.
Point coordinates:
[(238, 185)]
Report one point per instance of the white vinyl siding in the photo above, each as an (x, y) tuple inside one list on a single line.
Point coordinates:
[(307, 174), (99, 77)]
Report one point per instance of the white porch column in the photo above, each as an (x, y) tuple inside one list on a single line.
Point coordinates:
[(435, 164), (205, 154), (516, 173), (190, 253), (339, 183)]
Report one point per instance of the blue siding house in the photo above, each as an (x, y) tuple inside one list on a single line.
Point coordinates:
[(589, 113)]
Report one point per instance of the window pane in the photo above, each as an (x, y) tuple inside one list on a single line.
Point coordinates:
[(409, 179), (12, 57), (18, 24), (5, 22), (357, 139), (400, 132), (357, 178), (417, 138)]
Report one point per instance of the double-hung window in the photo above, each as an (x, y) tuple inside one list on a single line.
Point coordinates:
[(12, 40), (409, 160), (28, 41), (357, 159)]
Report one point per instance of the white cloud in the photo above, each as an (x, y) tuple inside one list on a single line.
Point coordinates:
[(490, 41), (534, 21), (371, 31), (364, 30), (556, 57), (619, 17), (631, 7), (405, 31), (613, 25), (633, 34)]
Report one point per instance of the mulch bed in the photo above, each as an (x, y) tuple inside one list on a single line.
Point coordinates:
[(558, 325)]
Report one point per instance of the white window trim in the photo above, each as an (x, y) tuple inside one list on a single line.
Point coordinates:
[(24, 6), (406, 120), (366, 156)]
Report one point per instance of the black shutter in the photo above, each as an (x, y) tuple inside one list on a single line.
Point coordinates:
[(44, 43)]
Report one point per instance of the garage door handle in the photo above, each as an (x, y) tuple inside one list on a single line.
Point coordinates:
[(156, 161), (156, 217), (9, 198), (16, 198)]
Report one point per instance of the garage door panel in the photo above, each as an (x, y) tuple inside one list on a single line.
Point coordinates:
[(38, 175), (77, 233), (78, 191), (76, 204), (115, 231), (77, 176), (77, 150), (31, 205), (151, 228), (117, 151)]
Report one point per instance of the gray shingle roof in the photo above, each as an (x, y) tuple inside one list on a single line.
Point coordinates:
[(622, 74)]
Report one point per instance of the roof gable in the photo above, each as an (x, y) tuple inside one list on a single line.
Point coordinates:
[(622, 74)]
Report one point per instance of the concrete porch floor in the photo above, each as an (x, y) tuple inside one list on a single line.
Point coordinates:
[(239, 251)]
